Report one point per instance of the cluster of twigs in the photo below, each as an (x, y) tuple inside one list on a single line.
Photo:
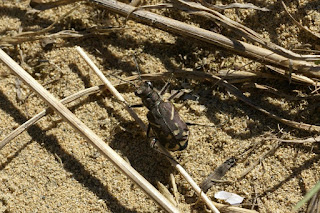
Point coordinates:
[(295, 67)]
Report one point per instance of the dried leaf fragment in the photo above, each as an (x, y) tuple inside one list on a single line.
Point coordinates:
[(217, 174)]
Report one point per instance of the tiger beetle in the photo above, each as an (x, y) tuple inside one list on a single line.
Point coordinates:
[(164, 120)]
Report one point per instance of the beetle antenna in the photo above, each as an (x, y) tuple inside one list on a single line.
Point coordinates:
[(129, 82), (138, 67)]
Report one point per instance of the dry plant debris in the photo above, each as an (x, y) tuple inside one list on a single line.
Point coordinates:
[(45, 168)]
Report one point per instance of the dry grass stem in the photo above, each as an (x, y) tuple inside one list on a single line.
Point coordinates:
[(294, 77), (166, 193), (174, 187), (233, 209), (88, 134), (279, 93), (260, 159), (234, 6), (111, 88), (48, 5), (234, 75), (307, 140)]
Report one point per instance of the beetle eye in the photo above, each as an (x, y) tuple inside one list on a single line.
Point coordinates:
[(149, 84)]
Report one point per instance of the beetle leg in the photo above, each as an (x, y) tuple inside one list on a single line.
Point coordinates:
[(164, 88), (177, 93), (153, 142), (148, 130)]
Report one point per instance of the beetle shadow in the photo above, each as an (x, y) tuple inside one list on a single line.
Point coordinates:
[(135, 146), (70, 163)]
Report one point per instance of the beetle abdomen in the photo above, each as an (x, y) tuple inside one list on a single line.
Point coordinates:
[(168, 126)]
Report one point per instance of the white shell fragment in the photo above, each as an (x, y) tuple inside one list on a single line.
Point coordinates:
[(229, 197)]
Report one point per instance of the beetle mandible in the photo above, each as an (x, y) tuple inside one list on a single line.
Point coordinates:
[(164, 120)]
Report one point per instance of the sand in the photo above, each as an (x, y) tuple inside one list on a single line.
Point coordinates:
[(51, 168)]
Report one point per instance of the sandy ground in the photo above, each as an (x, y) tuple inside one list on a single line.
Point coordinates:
[(51, 168)]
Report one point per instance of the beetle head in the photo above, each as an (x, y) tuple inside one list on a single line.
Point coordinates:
[(148, 96), (144, 89)]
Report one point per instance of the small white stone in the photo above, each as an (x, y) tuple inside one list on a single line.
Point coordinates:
[(229, 197)]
